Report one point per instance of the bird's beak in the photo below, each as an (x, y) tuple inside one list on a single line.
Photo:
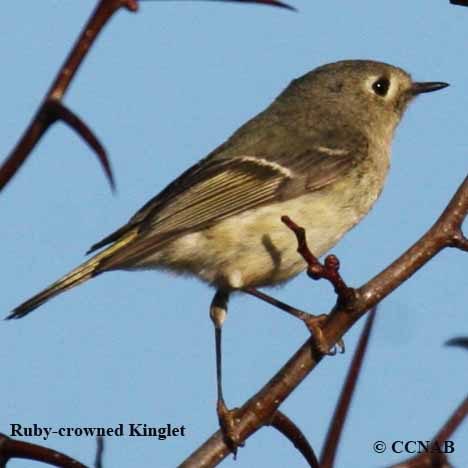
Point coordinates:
[(427, 87)]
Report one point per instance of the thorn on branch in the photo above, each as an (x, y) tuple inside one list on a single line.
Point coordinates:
[(60, 112), (461, 341), (47, 114), (274, 3), (329, 270), (99, 452), (289, 429), (130, 5), (459, 2)]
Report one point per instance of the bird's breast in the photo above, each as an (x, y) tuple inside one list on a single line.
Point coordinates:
[(256, 249)]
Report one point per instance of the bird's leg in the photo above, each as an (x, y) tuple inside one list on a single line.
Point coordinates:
[(226, 417), (313, 323)]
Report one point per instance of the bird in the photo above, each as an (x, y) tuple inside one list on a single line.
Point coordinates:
[(319, 153)]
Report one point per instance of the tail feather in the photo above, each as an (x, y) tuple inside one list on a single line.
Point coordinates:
[(77, 276)]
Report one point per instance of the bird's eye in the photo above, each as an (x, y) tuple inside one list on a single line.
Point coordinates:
[(381, 86)]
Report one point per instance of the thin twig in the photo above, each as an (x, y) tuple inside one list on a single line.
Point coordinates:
[(329, 270), (51, 110)]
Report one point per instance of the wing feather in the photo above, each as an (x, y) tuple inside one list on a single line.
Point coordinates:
[(225, 188), (219, 187)]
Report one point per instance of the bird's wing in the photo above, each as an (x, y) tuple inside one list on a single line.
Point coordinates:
[(223, 187)]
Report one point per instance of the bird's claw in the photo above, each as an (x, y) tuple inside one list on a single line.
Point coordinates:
[(314, 324), (227, 422)]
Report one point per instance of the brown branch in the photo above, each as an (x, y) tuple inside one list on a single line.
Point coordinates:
[(459, 2), (10, 448), (260, 408), (287, 427), (51, 108), (341, 411)]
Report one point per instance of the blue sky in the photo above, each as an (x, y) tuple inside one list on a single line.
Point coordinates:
[(161, 89)]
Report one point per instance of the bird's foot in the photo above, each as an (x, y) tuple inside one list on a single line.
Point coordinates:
[(227, 422), (314, 324)]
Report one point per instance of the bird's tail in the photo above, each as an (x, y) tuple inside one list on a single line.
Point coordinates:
[(77, 276)]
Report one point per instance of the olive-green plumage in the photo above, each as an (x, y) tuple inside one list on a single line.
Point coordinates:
[(319, 153)]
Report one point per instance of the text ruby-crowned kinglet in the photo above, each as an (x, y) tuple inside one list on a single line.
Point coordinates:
[(319, 154)]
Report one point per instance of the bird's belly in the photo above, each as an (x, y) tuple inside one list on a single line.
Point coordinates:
[(255, 248)]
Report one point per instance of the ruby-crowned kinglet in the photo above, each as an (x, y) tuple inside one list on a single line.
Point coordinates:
[(319, 154)]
